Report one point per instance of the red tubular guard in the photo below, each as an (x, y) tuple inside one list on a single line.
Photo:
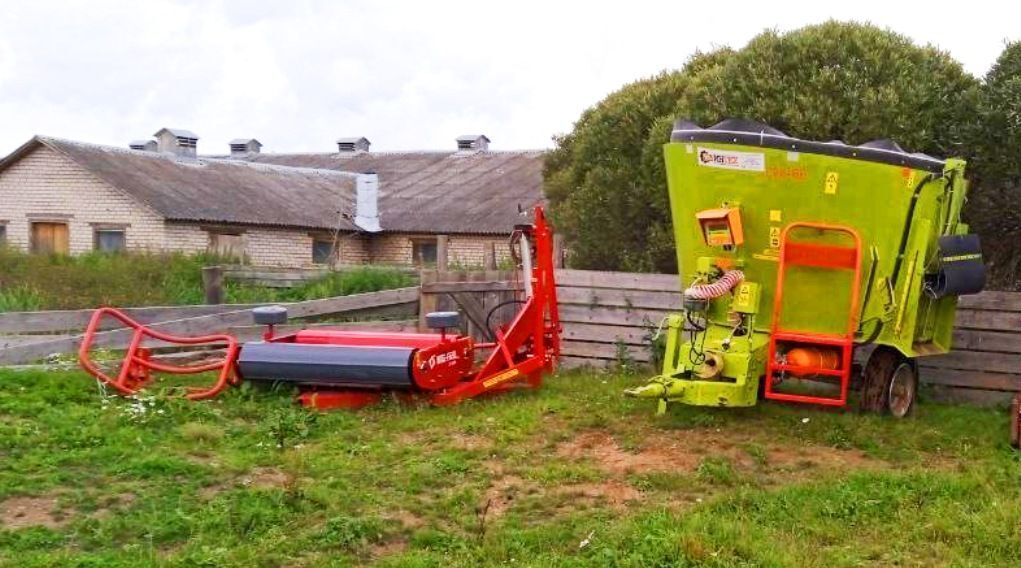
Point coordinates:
[(136, 367)]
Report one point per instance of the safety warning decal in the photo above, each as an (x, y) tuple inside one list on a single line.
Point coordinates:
[(731, 160)]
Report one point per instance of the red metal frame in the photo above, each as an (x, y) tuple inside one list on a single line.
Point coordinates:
[(525, 349), (135, 370), (831, 257)]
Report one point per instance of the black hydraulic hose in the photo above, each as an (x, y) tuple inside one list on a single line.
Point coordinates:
[(907, 226), (489, 316)]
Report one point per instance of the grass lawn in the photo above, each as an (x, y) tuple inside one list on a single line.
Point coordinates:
[(574, 475)]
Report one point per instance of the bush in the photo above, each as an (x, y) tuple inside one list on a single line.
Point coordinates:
[(34, 282)]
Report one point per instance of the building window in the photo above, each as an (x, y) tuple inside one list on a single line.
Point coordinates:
[(323, 251), (3, 234), (423, 252), (109, 239), (227, 244), (50, 238)]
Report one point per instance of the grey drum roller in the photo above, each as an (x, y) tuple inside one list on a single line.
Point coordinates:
[(334, 365)]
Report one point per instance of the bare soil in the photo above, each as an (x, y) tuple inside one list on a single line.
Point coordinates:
[(21, 512)]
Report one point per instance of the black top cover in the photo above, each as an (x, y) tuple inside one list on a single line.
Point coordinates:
[(752, 133)]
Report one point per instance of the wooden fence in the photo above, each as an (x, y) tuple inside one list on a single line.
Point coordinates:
[(608, 318), (192, 320)]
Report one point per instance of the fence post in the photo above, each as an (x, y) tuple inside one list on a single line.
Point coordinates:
[(490, 256), (212, 283), (441, 252), (426, 301), (558, 251)]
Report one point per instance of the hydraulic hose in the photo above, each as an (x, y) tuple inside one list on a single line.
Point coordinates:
[(726, 283)]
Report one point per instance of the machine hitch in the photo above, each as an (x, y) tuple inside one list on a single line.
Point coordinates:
[(347, 369)]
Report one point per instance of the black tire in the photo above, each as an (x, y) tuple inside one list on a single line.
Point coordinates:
[(889, 383)]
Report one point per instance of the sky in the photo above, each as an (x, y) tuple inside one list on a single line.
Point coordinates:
[(299, 74)]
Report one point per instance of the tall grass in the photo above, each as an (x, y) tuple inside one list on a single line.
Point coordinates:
[(34, 282)]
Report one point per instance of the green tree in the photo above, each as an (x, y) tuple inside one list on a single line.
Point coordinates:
[(996, 139), (847, 81)]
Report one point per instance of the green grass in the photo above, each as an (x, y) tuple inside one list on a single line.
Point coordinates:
[(35, 282), (523, 479)]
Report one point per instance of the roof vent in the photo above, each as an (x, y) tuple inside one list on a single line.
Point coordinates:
[(356, 144), (478, 142), (143, 145), (241, 147), (177, 141)]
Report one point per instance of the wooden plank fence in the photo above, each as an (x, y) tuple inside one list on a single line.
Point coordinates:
[(223, 321), (607, 317)]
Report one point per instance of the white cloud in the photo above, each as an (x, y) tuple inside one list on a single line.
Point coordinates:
[(412, 74)]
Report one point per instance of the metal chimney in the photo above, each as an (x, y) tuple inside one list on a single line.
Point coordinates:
[(367, 202)]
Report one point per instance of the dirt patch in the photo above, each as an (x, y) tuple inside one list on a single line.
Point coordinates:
[(609, 456), (20, 512), (501, 495), (684, 452), (266, 478), (616, 493), (407, 519), (471, 442), (117, 502), (389, 548)]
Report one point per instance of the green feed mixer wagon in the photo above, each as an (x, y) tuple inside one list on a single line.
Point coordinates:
[(796, 254)]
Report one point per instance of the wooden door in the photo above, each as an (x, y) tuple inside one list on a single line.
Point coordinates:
[(50, 238)]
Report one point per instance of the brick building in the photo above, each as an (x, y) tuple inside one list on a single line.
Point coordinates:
[(349, 206)]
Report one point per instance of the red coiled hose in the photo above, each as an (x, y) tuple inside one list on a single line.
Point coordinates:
[(725, 284)]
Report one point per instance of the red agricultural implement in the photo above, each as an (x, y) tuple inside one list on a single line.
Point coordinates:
[(346, 369)]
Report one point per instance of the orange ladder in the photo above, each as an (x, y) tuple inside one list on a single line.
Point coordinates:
[(803, 253)]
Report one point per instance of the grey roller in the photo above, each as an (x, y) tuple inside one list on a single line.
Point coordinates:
[(442, 320), (269, 315), (326, 364)]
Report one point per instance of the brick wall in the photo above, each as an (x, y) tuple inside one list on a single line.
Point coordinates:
[(46, 186), (269, 247), (462, 250)]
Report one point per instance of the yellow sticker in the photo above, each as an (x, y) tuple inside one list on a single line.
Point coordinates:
[(832, 180), (497, 379), (774, 237), (911, 179), (775, 215), (770, 257)]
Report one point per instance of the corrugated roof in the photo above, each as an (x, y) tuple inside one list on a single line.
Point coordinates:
[(440, 192), (420, 192), (215, 190)]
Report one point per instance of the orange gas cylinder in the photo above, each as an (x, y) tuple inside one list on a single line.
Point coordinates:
[(814, 357)]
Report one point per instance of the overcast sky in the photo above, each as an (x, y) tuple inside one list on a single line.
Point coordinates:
[(407, 75)]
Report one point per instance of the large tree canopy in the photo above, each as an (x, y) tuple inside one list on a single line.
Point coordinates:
[(995, 207), (844, 81)]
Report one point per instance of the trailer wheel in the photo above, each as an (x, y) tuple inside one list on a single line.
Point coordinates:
[(890, 383)]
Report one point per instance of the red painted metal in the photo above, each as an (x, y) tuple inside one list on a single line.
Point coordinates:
[(794, 252), (137, 366), (444, 368), (377, 339), (351, 399)]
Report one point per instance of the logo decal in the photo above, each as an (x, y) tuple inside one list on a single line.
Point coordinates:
[(730, 160), (442, 358)]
